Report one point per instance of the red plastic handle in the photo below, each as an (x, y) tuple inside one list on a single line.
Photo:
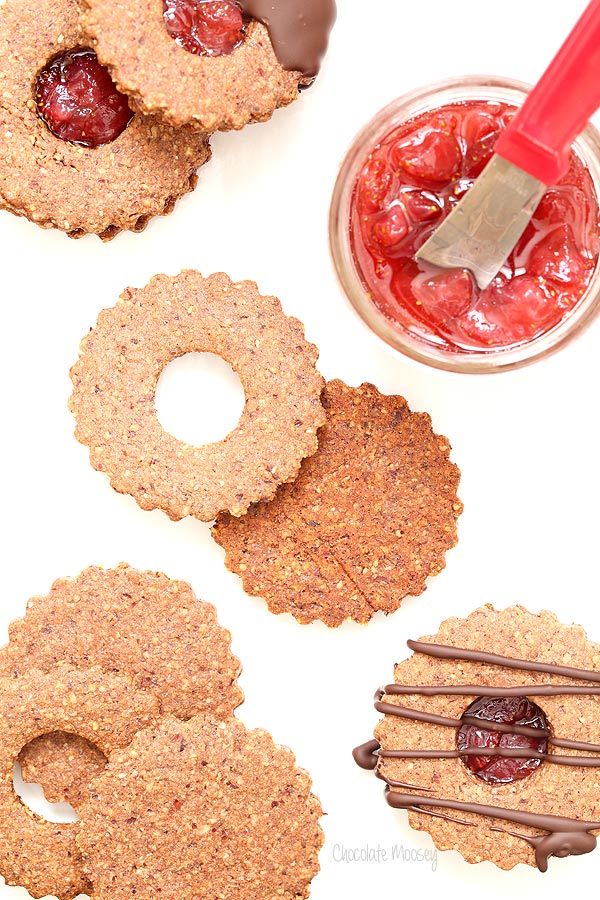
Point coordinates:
[(558, 108)]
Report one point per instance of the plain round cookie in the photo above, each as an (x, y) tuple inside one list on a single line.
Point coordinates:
[(103, 708), (551, 789), (77, 189), (114, 385), (201, 810), (211, 93), (368, 520), (139, 624)]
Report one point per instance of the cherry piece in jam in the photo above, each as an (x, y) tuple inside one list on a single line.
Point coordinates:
[(77, 99), (205, 27), (509, 711), (411, 180)]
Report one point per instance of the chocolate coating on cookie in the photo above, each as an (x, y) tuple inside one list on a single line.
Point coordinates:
[(77, 189), (299, 30)]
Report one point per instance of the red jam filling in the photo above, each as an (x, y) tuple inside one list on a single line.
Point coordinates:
[(509, 711), (205, 27), (78, 101), (411, 181)]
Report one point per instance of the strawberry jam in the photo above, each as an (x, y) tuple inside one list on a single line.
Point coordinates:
[(508, 711), (411, 180), (205, 27), (78, 101)]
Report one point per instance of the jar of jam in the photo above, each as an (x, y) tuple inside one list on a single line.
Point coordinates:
[(404, 173)]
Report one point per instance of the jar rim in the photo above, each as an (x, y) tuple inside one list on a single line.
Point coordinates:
[(407, 106)]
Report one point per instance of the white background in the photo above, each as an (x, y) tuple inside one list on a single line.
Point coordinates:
[(527, 442)]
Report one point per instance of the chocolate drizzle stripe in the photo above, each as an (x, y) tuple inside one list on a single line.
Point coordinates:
[(435, 815), (508, 752), (299, 30), (404, 712), (442, 651), (574, 745), (519, 816), (479, 690)]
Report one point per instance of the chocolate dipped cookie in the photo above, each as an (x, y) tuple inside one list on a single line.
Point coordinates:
[(215, 65)]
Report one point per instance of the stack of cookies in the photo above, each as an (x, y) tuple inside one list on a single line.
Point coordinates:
[(128, 714), (107, 108)]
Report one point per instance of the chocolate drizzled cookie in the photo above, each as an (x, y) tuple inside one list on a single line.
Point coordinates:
[(491, 738)]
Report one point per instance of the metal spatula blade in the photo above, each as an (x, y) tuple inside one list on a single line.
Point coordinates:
[(481, 231), (531, 154)]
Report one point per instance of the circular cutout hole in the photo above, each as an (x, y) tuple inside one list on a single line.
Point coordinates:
[(199, 398), (78, 101), (512, 714), (65, 763), (32, 796)]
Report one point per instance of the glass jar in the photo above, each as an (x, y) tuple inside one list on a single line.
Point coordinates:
[(494, 359)]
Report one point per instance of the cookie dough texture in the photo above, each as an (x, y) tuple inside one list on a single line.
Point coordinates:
[(201, 810), (368, 520), (114, 384), (139, 624), (102, 708), (551, 789), (56, 184), (161, 78), (63, 764)]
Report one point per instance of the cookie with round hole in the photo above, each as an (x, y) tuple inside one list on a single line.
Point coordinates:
[(140, 624), (491, 737), (105, 709), (114, 385)]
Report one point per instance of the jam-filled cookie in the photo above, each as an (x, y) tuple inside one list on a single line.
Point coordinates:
[(74, 154), (491, 738), (215, 64)]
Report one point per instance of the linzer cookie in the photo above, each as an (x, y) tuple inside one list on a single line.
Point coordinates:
[(201, 809), (101, 707), (491, 738), (368, 519), (115, 379), (74, 156), (217, 65), (139, 624)]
